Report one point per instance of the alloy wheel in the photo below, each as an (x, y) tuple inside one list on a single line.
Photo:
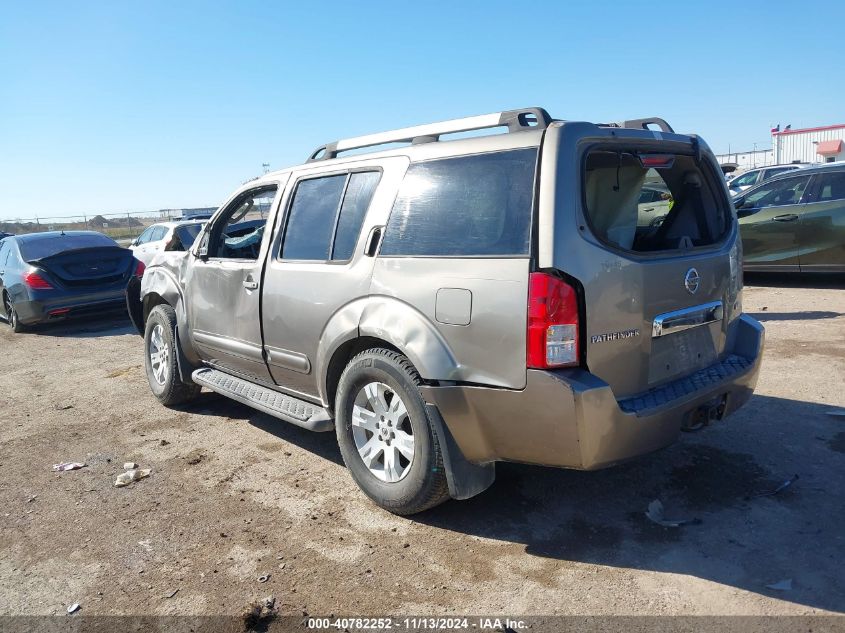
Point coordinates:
[(382, 432), (159, 354)]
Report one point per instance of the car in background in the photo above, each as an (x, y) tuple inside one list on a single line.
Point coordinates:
[(2, 235), (795, 221), (165, 236), (653, 204), (55, 275), (755, 176)]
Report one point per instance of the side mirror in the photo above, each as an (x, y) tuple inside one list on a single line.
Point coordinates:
[(133, 242)]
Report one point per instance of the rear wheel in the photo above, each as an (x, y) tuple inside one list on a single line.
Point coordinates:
[(12, 315), (386, 439), (160, 358)]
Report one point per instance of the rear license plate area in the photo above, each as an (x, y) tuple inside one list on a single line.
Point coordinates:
[(681, 353)]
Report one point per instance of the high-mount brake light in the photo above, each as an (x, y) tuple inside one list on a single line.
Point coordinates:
[(656, 161), (553, 326), (36, 281)]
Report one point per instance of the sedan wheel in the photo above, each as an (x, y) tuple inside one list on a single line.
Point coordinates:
[(12, 315)]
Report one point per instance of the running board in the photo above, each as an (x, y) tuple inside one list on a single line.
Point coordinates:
[(299, 412)]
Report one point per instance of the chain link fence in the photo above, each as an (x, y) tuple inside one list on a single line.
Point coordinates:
[(121, 227)]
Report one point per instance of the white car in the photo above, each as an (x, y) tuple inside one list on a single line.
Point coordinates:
[(753, 176), (165, 236)]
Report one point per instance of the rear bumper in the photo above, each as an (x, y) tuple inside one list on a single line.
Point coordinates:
[(572, 419), (38, 310)]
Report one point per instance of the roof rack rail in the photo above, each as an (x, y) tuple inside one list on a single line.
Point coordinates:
[(642, 124), (515, 120)]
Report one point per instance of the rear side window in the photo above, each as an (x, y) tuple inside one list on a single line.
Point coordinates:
[(466, 206), (326, 216), (637, 201), (831, 186), (37, 247)]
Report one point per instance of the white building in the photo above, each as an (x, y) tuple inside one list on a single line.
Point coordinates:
[(748, 160), (808, 145)]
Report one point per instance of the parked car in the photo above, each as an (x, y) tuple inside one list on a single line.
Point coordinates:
[(795, 222), (653, 205), (170, 236), (55, 275), (447, 304), (2, 235), (752, 177)]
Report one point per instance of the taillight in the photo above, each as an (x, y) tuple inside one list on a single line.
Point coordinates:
[(36, 281), (139, 269), (552, 323)]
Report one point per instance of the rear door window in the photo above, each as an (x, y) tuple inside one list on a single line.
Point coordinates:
[(326, 216), (637, 201), (356, 201), (158, 233), (465, 206)]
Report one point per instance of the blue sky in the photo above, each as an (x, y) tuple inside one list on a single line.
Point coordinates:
[(116, 106)]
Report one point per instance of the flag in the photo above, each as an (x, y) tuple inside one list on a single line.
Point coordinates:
[(776, 129)]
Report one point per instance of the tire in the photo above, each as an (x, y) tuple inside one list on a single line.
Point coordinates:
[(367, 389), (163, 376), (12, 316)]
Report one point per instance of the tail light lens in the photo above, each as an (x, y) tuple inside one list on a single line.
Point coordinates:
[(139, 269), (552, 323), (36, 281)]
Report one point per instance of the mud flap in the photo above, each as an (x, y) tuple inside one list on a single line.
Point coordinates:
[(465, 479), (185, 367), (133, 304)]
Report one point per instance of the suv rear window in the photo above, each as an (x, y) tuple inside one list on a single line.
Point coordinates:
[(466, 206), (634, 206)]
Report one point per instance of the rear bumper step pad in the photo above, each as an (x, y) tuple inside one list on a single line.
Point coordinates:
[(728, 368), (299, 412)]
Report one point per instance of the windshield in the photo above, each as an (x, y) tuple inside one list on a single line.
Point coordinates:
[(34, 247)]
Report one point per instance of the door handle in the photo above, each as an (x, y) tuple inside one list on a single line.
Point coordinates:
[(373, 240), (250, 283), (786, 217)]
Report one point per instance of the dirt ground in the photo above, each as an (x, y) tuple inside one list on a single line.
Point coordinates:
[(235, 495)]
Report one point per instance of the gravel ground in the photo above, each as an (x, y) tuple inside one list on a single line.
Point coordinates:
[(235, 495)]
